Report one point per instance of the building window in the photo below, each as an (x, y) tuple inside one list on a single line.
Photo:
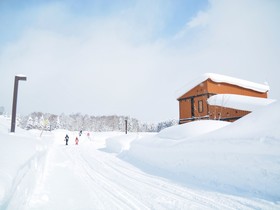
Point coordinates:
[(200, 106)]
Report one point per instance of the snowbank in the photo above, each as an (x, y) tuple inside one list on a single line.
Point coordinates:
[(241, 158), (121, 143), (99, 138), (20, 157), (190, 130)]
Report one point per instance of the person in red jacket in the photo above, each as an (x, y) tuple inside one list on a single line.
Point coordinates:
[(77, 140)]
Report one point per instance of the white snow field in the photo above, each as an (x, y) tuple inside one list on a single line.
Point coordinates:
[(199, 165)]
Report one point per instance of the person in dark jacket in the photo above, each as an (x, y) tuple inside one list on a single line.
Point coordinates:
[(66, 139)]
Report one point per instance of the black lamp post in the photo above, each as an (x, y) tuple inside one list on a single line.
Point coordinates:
[(125, 126), (14, 111)]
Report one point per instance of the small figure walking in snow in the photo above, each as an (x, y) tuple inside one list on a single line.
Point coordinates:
[(80, 132), (66, 139), (88, 135), (77, 141)]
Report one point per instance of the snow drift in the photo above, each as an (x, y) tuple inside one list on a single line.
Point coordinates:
[(190, 130), (22, 157), (120, 143), (241, 158)]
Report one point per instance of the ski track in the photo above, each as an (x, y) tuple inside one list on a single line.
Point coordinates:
[(112, 183), (150, 187), (163, 188), (121, 198)]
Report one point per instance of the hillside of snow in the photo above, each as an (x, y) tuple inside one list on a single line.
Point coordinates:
[(242, 158)]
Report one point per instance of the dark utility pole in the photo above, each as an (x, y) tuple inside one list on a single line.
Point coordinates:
[(14, 111), (125, 126)]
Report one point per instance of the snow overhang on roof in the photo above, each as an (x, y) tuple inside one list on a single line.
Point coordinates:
[(218, 78), (240, 102)]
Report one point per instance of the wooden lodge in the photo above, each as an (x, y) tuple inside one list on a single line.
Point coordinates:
[(193, 101)]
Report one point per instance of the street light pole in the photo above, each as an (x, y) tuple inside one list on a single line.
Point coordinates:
[(14, 111), (125, 126)]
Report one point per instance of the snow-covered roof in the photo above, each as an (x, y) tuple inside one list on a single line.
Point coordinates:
[(218, 78), (20, 75), (240, 102)]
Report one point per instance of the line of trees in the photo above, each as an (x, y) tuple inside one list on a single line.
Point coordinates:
[(74, 122)]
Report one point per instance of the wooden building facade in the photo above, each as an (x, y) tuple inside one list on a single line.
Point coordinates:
[(193, 104)]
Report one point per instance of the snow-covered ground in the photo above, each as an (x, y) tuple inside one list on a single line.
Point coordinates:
[(199, 165), (242, 158)]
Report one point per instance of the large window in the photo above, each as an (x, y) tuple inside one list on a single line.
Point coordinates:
[(200, 106)]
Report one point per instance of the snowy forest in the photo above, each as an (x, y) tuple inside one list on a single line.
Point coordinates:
[(74, 122)]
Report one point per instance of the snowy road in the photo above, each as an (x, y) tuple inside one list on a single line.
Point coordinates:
[(85, 177)]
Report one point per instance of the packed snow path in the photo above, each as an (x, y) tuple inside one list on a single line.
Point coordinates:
[(86, 177)]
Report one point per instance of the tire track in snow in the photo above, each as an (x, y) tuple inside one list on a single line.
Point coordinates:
[(215, 200), (199, 199), (202, 198), (157, 187), (95, 180), (111, 183), (157, 190)]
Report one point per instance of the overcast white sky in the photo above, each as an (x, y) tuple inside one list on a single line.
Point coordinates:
[(130, 57)]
